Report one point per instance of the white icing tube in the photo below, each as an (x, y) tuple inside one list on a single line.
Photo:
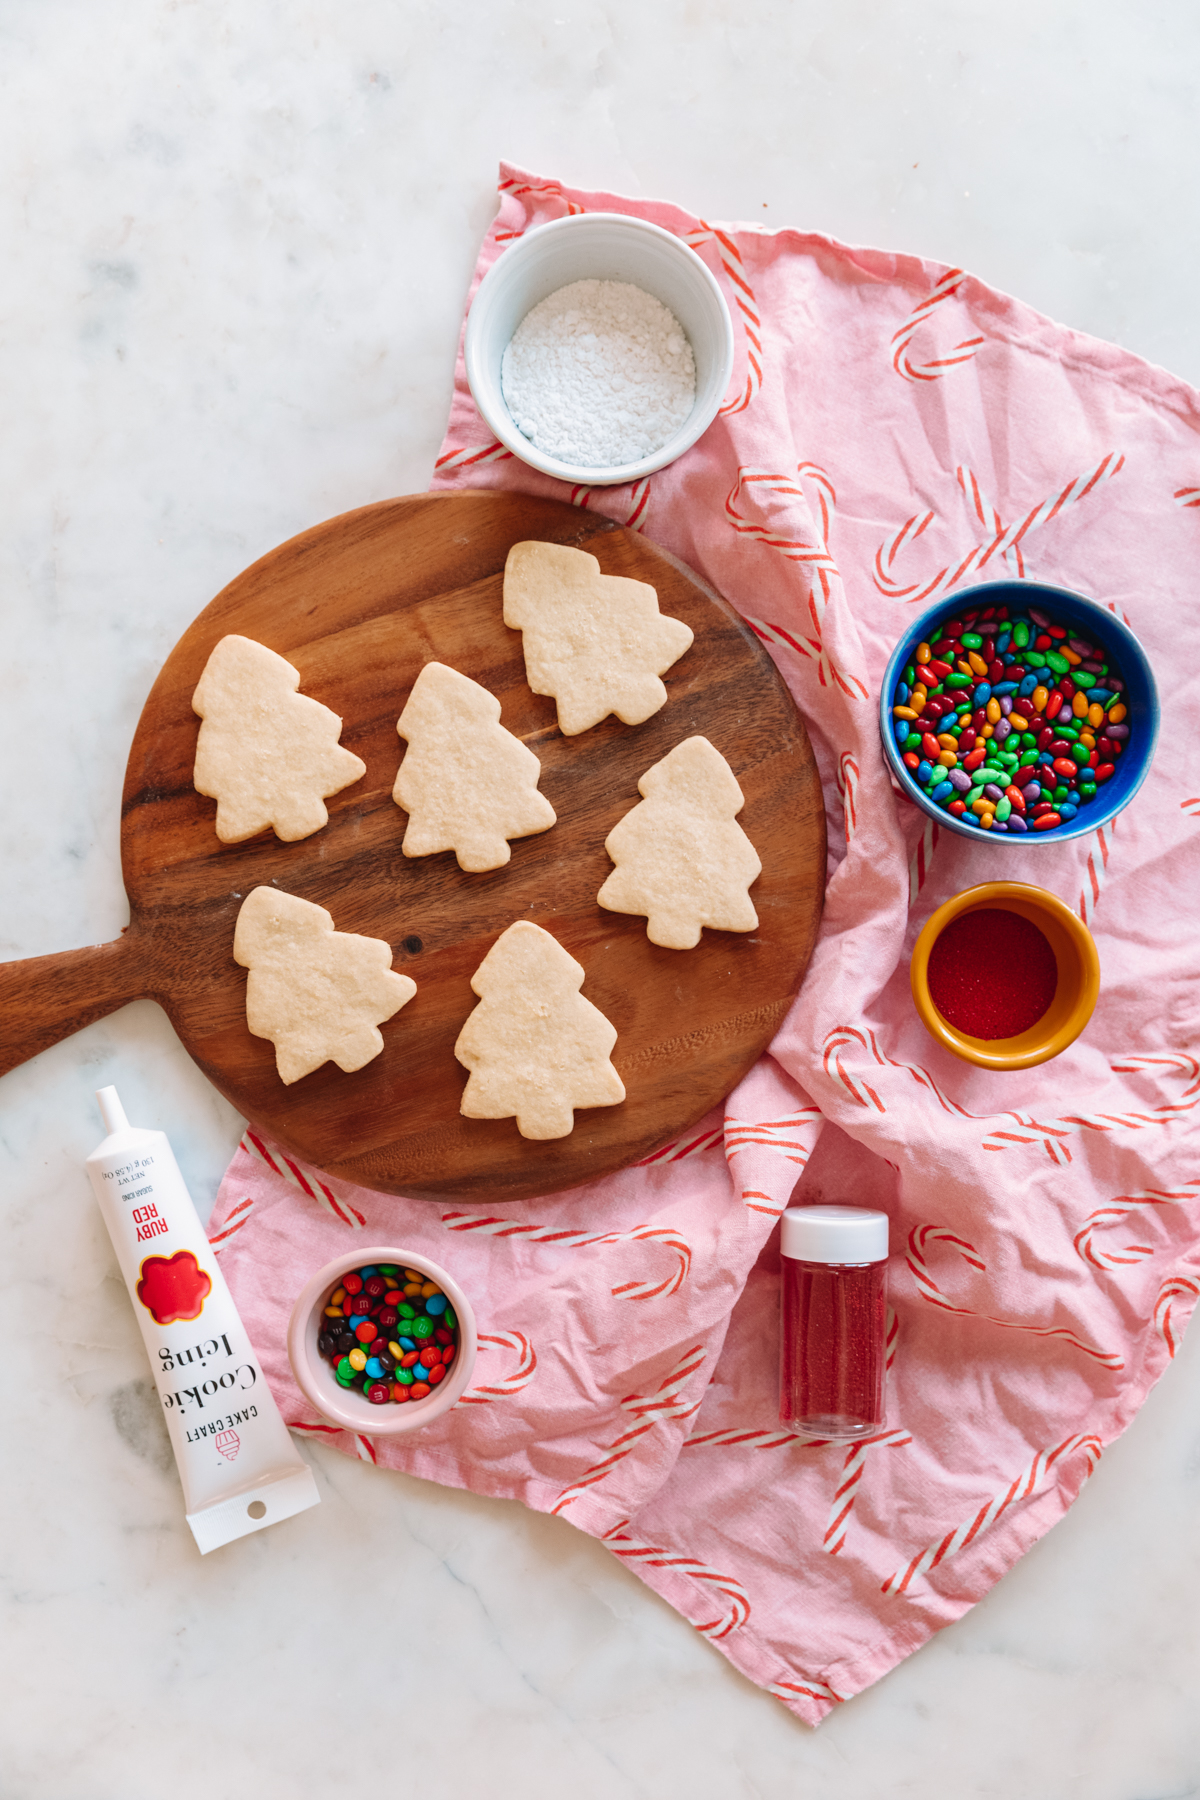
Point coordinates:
[(239, 1468)]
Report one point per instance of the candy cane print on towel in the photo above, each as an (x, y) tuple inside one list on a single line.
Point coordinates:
[(787, 525), (668, 1401), (1054, 1134), (707, 1137), (989, 517), (754, 1438), (236, 1217), (582, 494), (306, 1180), (473, 457), (934, 306), (846, 1492), (725, 1590), (847, 1484), (812, 1689), (923, 832), (860, 1091), (847, 786), (747, 312), (754, 489), (1097, 871), (774, 1134), (788, 1141), (364, 1449), (1118, 1208), (1176, 1300), (928, 1288), (518, 1378), (922, 857), (783, 1135), (1187, 496), (484, 1225), (892, 1342), (1034, 1477), (551, 190), (1015, 1128), (997, 544)]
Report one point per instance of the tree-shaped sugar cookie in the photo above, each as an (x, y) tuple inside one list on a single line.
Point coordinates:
[(317, 993), (466, 783), (596, 643), (267, 755), (682, 859), (535, 1047)]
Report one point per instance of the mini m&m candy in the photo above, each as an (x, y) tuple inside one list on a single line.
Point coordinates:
[(389, 1332), (1010, 721)]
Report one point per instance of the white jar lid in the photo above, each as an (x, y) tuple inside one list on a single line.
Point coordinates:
[(834, 1234)]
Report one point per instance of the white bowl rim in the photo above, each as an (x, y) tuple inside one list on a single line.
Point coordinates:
[(374, 1421), (613, 475)]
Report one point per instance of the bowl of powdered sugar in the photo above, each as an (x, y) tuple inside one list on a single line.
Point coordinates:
[(599, 348)]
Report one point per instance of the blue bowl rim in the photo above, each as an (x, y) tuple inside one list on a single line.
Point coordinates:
[(1135, 667)]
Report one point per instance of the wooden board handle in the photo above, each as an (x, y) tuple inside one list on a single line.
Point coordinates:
[(46, 998)]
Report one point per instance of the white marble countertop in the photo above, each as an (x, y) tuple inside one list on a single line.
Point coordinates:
[(237, 241)]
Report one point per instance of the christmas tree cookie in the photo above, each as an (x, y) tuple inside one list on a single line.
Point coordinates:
[(535, 1047), (682, 859), (596, 643), (466, 783), (267, 755), (317, 993)]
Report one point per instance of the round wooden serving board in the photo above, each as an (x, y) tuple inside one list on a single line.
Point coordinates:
[(359, 605)]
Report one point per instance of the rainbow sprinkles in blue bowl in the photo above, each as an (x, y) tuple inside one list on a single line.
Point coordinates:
[(1007, 711)]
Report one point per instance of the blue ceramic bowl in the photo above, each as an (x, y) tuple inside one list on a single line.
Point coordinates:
[(1094, 623)]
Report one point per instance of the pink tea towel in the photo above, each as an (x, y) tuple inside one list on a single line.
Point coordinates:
[(894, 429)]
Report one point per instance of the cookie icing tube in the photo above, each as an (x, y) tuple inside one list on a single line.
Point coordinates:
[(239, 1467)]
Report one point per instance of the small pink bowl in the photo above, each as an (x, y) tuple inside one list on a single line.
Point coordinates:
[(346, 1406)]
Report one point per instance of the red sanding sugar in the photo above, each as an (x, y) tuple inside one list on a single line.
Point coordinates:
[(992, 974)]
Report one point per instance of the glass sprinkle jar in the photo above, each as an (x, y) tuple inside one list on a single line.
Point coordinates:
[(833, 1343)]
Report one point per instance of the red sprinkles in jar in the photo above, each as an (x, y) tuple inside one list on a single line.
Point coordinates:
[(389, 1332), (992, 974)]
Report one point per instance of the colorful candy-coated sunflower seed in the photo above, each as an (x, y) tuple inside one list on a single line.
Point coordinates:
[(1015, 722)]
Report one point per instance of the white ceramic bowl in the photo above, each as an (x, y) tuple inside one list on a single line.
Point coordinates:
[(346, 1406), (598, 247)]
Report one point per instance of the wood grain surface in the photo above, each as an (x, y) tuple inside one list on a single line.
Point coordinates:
[(359, 605)]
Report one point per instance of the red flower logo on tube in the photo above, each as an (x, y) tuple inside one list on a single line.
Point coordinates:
[(173, 1287)]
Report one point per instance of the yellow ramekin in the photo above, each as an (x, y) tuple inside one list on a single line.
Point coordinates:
[(1075, 995)]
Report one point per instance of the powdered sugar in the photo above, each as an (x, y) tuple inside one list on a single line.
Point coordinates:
[(599, 374)]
